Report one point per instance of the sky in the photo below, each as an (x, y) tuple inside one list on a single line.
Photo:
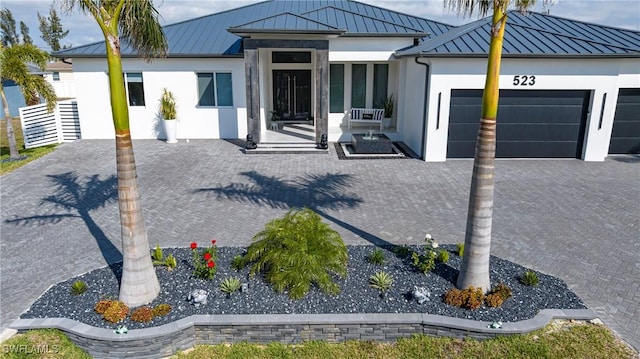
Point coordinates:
[(83, 29)]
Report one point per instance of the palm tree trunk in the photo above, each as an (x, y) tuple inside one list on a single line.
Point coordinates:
[(139, 283), (11, 136), (474, 270)]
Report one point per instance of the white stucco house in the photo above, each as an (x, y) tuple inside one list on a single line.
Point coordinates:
[(60, 75), (568, 88)]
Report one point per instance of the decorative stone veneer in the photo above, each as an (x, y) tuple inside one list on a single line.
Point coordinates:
[(165, 340)]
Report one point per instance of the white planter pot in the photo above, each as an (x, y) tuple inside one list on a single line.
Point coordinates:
[(386, 122), (171, 128)]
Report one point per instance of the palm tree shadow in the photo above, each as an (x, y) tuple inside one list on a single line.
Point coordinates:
[(80, 197), (318, 192)]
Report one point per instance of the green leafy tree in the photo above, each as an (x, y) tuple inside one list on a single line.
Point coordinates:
[(298, 250), (13, 66), (51, 29), (474, 271), (24, 30), (136, 23), (8, 28)]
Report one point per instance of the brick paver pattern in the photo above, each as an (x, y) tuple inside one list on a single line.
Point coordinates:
[(579, 221)]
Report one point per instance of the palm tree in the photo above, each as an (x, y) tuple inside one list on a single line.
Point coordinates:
[(474, 270), (13, 66), (137, 22)]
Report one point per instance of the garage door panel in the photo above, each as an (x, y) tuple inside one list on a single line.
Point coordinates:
[(461, 149), (531, 123), (625, 135), (520, 149), (540, 115), (626, 129), (463, 132), (550, 133), (625, 146)]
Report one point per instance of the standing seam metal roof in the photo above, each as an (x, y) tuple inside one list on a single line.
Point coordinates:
[(533, 34), (209, 36)]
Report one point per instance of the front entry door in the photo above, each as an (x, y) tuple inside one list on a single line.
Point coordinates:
[(292, 95)]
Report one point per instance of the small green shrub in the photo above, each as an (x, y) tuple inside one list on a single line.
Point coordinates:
[(237, 263), (296, 251), (230, 285), (460, 249), (78, 287), (381, 281), (443, 256), (376, 257), (161, 310), (426, 262), (401, 251), (159, 260), (142, 315), (157, 255), (116, 312), (470, 298), (171, 262), (530, 278)]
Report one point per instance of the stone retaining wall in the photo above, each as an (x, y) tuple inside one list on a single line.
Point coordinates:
[(166, 340)]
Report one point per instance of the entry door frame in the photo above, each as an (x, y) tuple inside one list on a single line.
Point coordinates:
[(292, 67), (319, 74)]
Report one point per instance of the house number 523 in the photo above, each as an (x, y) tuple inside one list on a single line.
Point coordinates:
[(524, 80)]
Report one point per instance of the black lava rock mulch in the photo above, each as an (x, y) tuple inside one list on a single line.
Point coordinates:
[(356, 295)]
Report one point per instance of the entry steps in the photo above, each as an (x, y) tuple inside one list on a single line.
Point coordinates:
[(286, 148)]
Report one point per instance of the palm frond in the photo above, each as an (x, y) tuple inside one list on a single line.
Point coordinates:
[(140, 27), (298, 251)]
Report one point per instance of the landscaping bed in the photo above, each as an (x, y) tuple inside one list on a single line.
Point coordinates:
[(356, 295)]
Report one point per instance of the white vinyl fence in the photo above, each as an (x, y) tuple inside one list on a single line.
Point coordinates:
[(41, 128)]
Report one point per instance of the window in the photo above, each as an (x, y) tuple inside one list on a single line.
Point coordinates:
[(291, 57), (215, 93), (135, 88), (336, 89), (380, 82), (358, 85), (56, 76)]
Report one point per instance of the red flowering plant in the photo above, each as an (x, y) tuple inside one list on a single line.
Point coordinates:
[(204, 261)]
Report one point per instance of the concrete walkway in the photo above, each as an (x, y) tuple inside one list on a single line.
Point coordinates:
[(576, 220)]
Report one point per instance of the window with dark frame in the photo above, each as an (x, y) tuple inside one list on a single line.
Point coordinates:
[(380, 84), (336, 88), (215, 89), (358, 85), (135, 88)]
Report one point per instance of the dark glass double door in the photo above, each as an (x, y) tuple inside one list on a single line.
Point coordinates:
[(292, 95)]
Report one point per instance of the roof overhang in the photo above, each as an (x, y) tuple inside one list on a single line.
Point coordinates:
[(520, 56), (280, 32)]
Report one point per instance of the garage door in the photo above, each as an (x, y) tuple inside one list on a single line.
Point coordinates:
[(625, 137), (535, 124)]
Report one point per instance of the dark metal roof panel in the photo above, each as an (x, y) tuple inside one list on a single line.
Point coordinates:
[(208, 35), (358, 23), (286, 21), (534, 34)]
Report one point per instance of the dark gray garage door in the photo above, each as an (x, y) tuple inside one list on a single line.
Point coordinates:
[(531, 123), (625, 137)]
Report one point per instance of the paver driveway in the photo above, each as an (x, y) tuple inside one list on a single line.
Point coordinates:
[(576, 220)]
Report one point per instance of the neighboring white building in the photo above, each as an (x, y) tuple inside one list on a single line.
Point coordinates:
[(569, 89), (60, 75)]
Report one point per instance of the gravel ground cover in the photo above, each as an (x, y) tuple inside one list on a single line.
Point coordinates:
[(355, 297)]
